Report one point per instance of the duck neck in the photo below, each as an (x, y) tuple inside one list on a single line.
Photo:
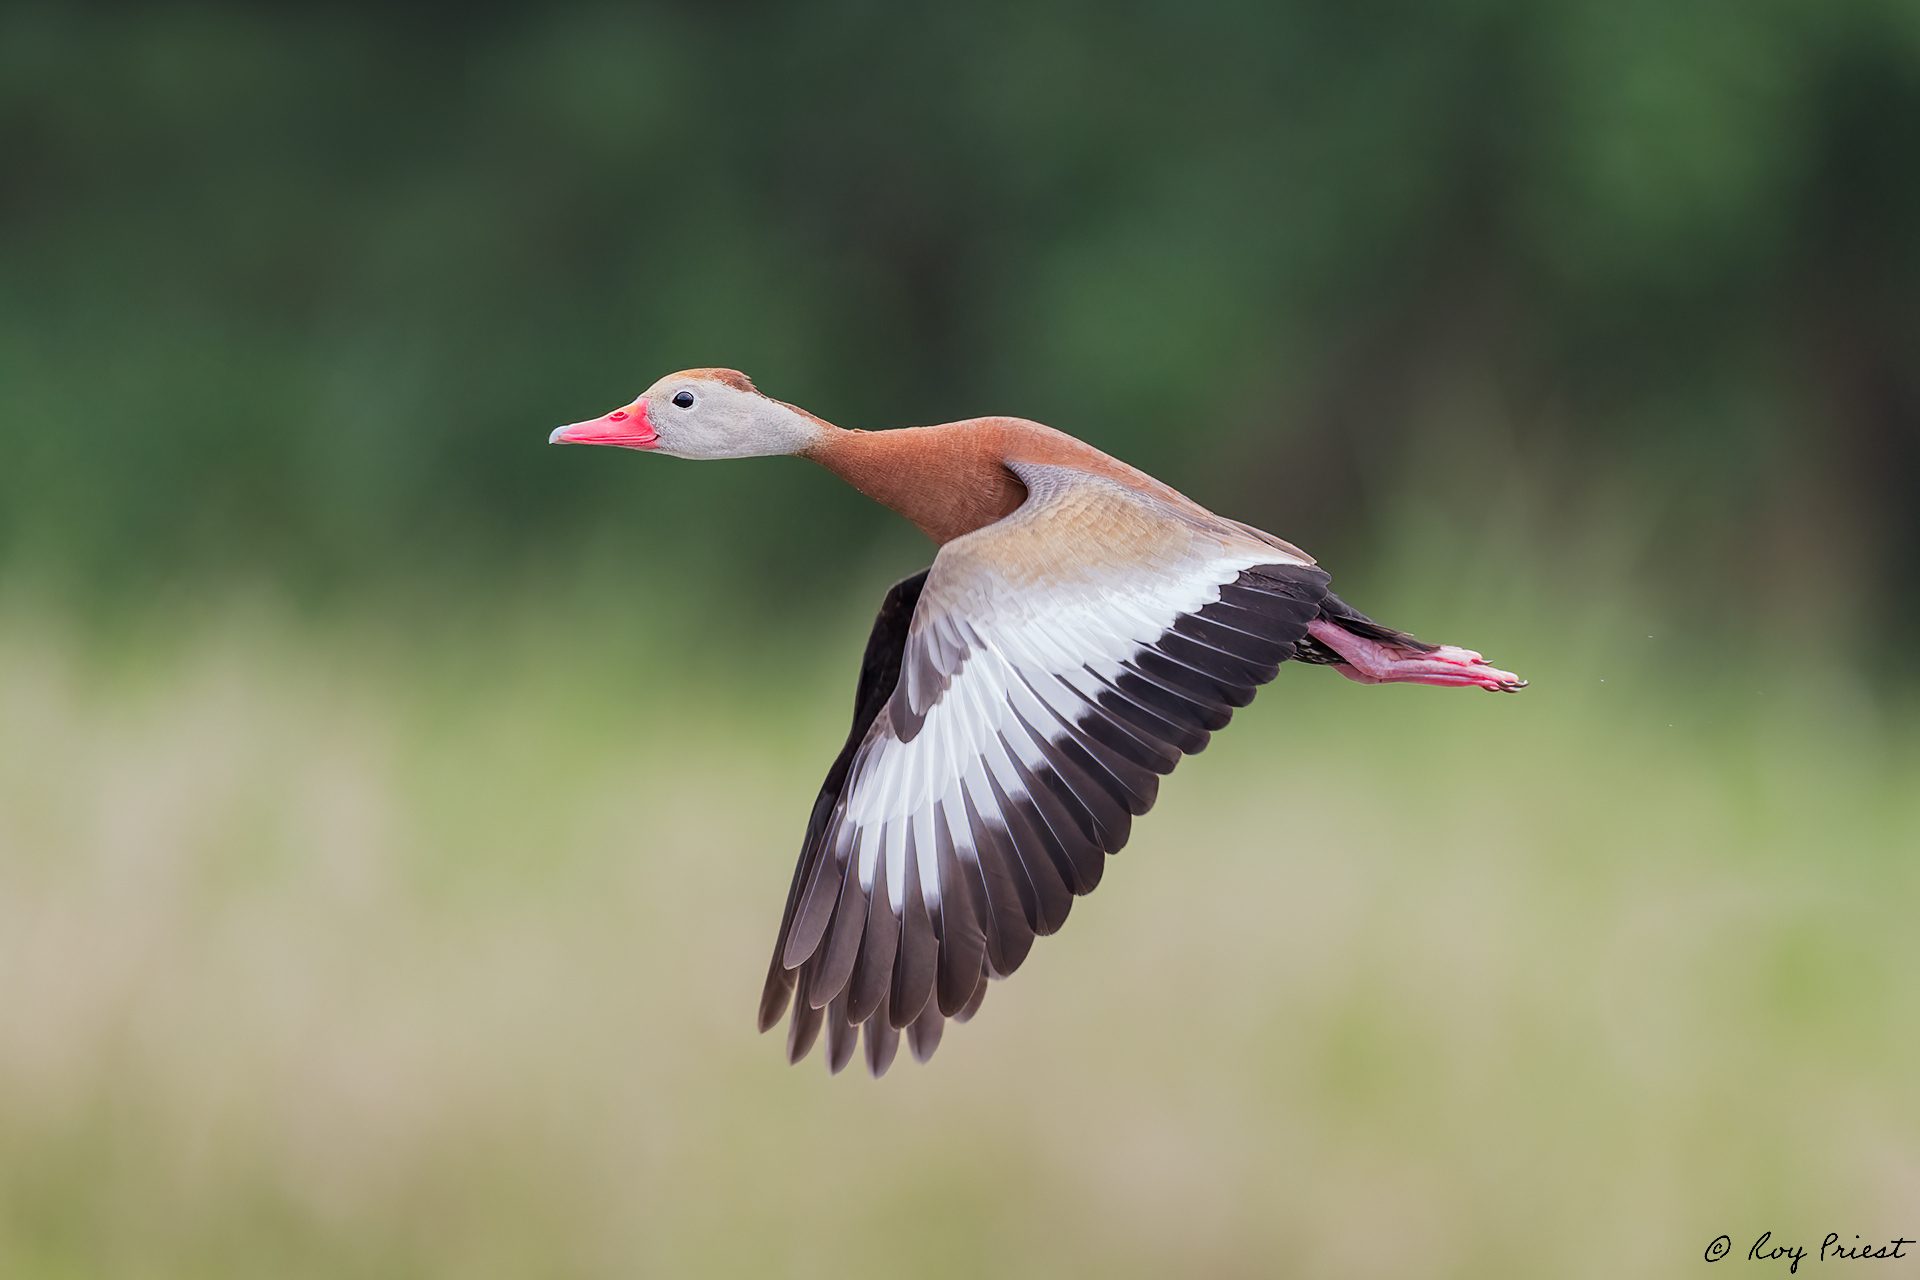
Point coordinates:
[(948, 481)]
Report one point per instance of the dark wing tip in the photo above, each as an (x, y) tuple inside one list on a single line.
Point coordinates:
[(923, 1035), (804, 1030), (883, 1042), (774, 996), (842, 1036)]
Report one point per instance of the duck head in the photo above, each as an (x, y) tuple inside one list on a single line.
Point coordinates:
[(700, 413)]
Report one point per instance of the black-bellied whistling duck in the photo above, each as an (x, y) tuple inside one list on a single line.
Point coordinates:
[(1081, 628)]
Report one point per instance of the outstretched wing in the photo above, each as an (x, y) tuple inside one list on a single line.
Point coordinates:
[(1056, 665)]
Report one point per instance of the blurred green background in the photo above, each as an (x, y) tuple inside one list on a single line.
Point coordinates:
[(395, 813)]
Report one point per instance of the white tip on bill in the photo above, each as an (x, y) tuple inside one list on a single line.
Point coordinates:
[(553, 437)]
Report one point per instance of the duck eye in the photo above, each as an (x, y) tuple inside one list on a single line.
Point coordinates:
[(684, 399)]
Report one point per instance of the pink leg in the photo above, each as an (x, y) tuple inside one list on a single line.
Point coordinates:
[(1371, 662)]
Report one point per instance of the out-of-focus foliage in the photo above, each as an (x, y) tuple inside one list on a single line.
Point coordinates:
[(299, 292)]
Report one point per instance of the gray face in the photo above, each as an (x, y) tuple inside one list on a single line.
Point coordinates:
[(698, 417)]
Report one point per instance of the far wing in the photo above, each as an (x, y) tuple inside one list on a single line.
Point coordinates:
[(879, 672)]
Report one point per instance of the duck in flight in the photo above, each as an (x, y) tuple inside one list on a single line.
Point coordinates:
[(1082, 627)]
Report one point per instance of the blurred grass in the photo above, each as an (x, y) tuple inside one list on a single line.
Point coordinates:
[(429, 947)]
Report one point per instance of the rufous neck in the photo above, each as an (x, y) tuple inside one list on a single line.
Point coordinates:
[(947, 480)]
